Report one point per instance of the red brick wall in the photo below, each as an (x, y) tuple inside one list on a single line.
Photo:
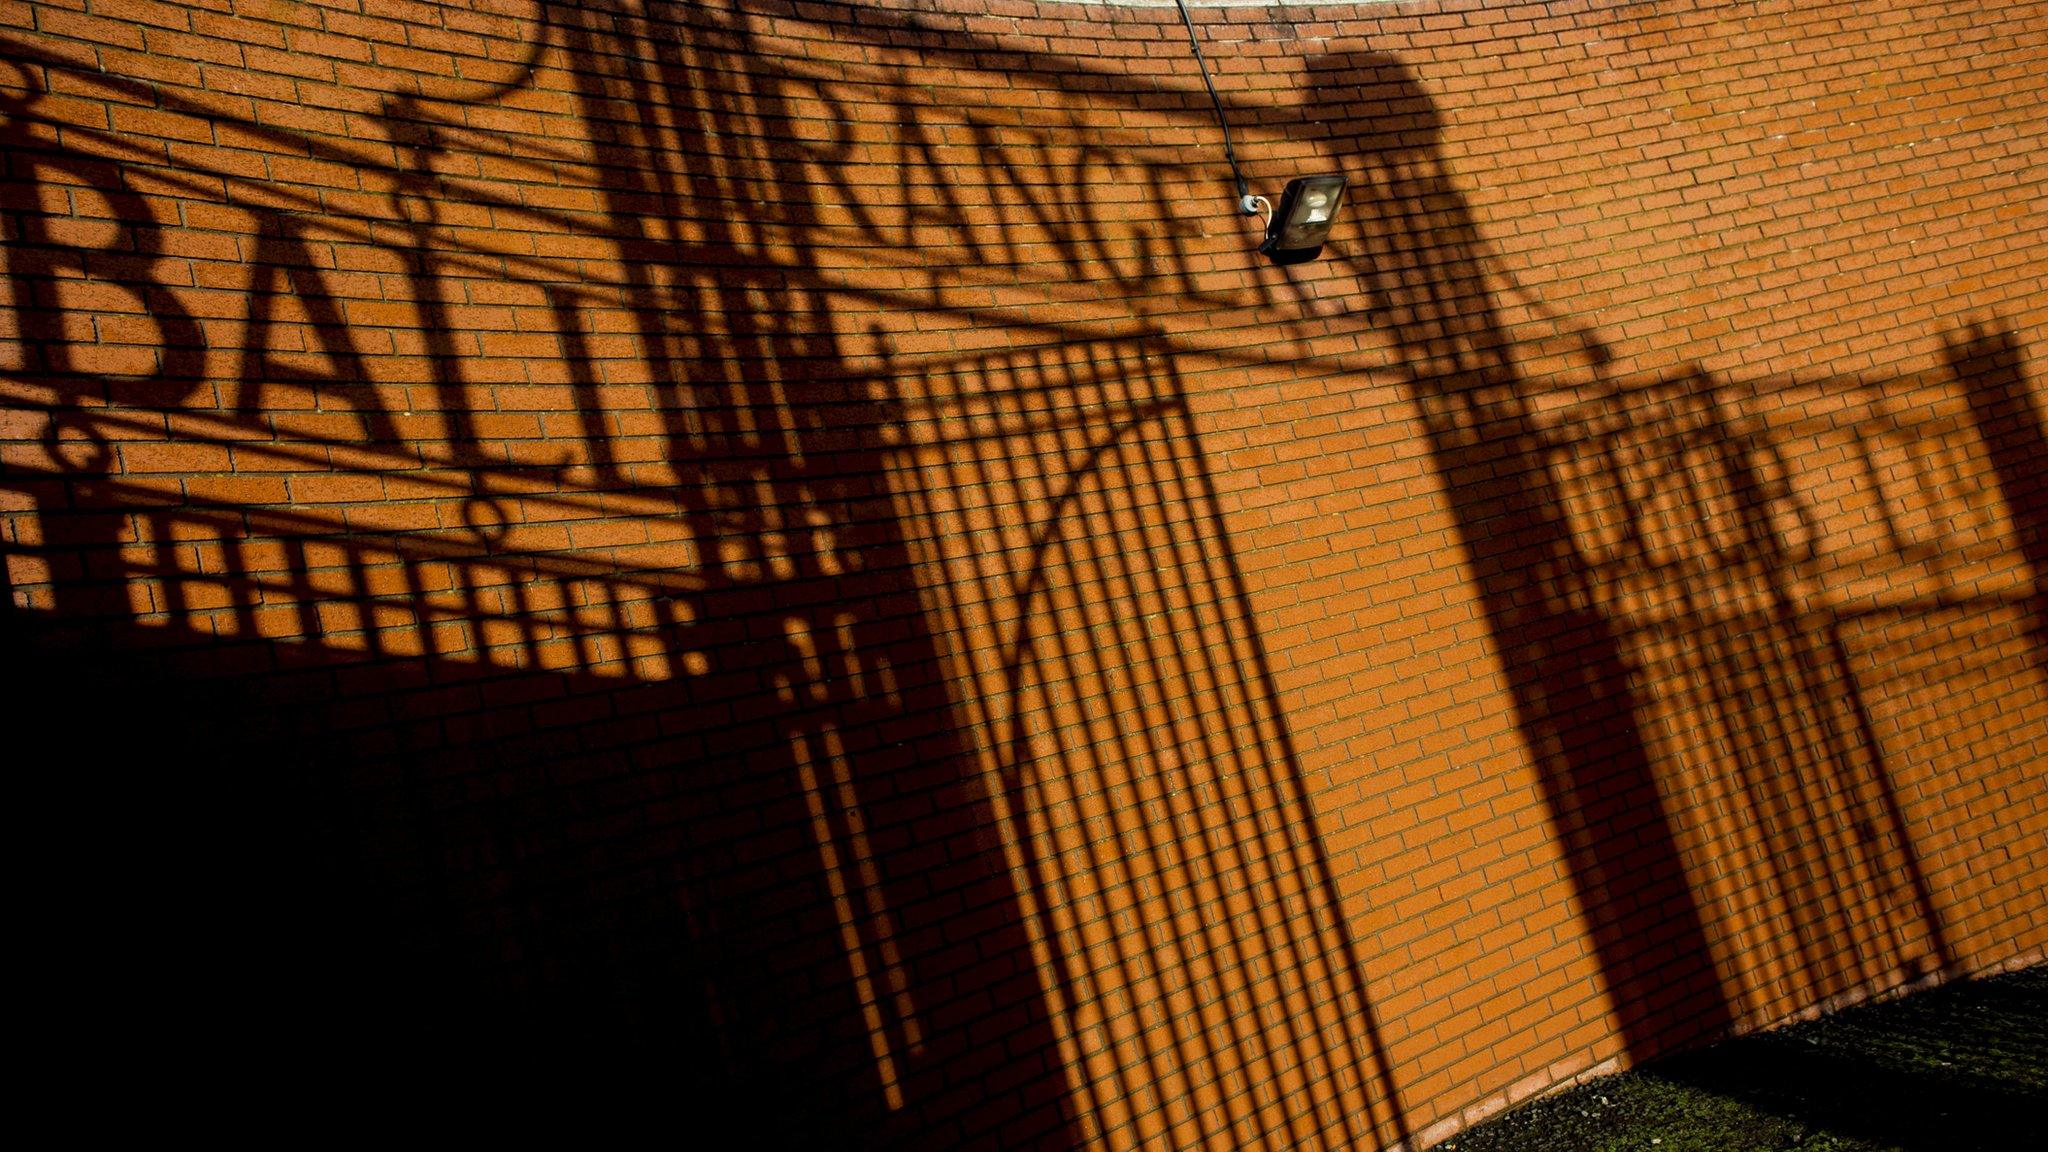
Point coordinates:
[(799, 548)]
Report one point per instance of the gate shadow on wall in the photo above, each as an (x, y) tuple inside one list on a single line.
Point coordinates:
[(1695, 587), (399, 741), (657, 747), (401, 735), (1151, 790)]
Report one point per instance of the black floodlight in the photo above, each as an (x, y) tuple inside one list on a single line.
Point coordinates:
[(1296, 230)]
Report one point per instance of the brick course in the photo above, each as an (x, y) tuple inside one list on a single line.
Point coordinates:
[(801, 539)]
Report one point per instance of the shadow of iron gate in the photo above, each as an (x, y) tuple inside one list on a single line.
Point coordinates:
[(1095, 621)]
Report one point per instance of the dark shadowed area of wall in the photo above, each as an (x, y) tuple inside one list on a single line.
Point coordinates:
[(790, 563)]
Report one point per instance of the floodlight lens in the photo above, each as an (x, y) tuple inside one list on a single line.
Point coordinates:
[(1307, 209)]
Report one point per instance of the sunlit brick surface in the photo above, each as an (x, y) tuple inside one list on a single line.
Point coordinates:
[(803, 540)]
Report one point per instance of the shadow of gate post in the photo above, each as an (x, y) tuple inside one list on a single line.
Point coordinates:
[(1422, 261), (1693, 586)]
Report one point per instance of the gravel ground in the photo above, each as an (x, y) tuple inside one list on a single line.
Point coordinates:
[(1961, 1068)]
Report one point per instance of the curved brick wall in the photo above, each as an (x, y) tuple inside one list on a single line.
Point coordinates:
[(797, 548)]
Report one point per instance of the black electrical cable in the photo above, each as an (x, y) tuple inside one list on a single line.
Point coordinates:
[(1244, 194)]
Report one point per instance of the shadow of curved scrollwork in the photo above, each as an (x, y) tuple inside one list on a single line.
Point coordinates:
[(670, 561), (1150, 784)]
